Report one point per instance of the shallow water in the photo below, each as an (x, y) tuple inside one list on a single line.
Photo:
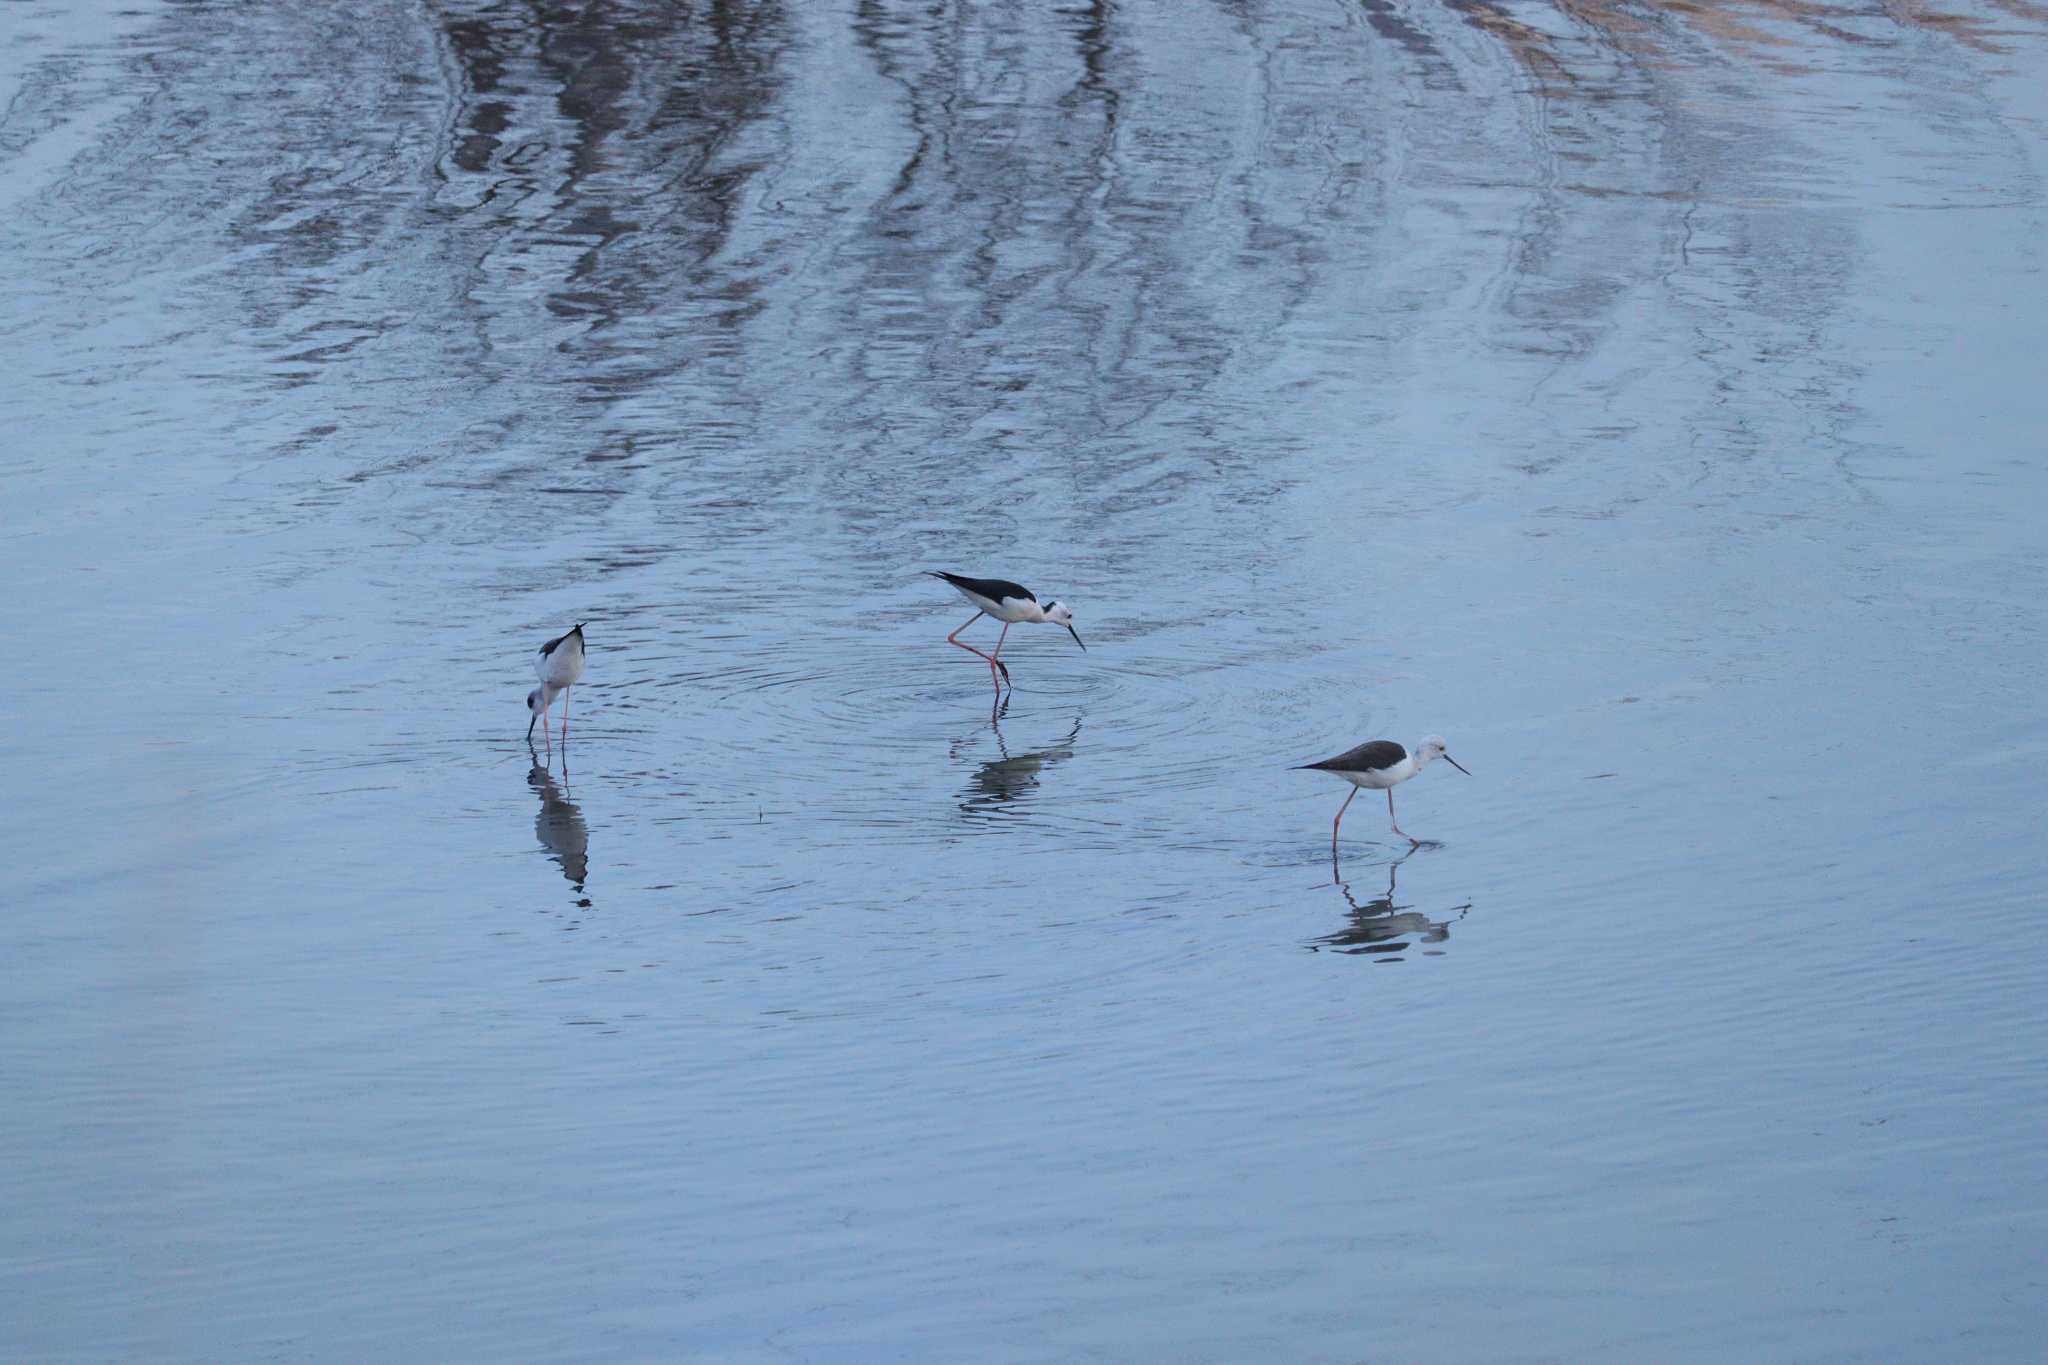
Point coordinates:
[(1647, 400)]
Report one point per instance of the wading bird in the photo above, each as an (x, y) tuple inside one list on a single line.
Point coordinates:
[(1009, 603), (1381, 765), (559, 665)]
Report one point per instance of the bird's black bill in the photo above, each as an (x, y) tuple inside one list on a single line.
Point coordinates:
[(1459, 766), (1077, 638), (529, 727)]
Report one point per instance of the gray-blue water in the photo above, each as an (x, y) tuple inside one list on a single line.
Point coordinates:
[(1647, 397)]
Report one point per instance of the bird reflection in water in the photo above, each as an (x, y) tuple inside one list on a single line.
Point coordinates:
[(1382, 929), (1001, 782), (560, 826)]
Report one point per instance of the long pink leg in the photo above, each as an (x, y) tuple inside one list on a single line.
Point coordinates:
[(993, 665), (1338, 821), (547, 724), (565, 717), (995, 659), (1397, 824)]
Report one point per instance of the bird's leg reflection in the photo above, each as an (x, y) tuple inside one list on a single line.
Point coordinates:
[(1385, 904), (563, 834), (547, 766), (1379, 926)]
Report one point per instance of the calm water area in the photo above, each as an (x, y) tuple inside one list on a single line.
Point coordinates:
[(1647, 397)]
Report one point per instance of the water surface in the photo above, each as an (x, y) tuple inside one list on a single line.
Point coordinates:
[(1645, 398)]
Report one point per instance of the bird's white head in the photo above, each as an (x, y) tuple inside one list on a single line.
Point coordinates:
[(1431, 747), (1060, 615), (537, 701)]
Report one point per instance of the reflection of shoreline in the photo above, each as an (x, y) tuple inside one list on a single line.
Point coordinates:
[(1382, 929), (1580, 65), (999, 783), (564, 835)]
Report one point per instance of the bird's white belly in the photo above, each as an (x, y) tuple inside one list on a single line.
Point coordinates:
[(560, 668), (1009, 610), (1377, 781)]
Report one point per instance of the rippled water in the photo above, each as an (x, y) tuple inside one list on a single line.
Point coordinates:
[(1644, 397)]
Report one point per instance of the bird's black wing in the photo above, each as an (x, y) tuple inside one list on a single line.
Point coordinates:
[(1370, 756), (549, 647), (994, 589)]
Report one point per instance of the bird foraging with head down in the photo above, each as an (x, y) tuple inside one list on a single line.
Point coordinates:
[(1010, 603), (558, 665)]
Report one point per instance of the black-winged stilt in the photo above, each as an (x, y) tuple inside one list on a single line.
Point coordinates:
[(1009, 603), (1381, 765), (558, 666)]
